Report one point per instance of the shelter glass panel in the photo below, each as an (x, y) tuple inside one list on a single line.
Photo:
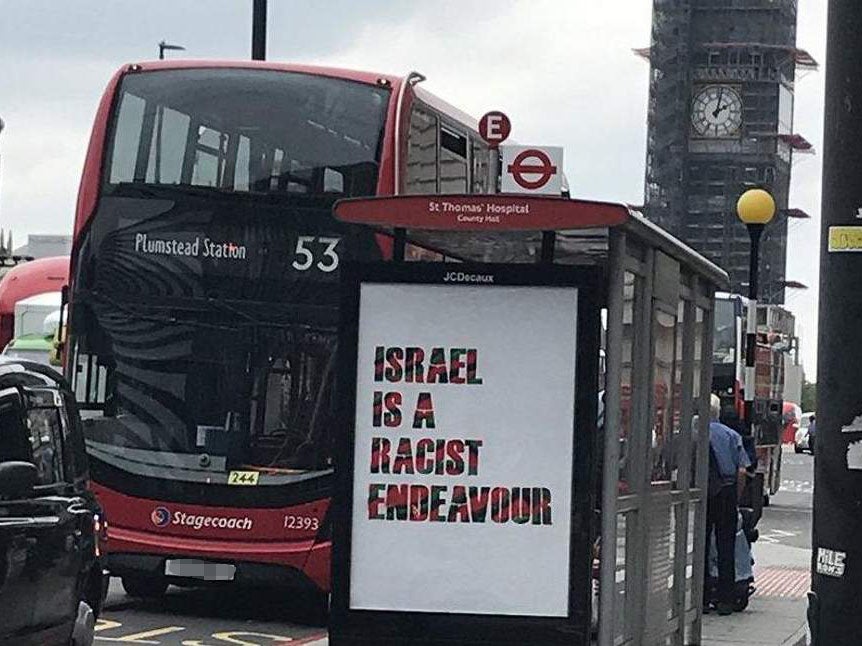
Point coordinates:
[(633, 288), (625, 601), (679, 425), (697, 374), (690, 601), (661, 448)]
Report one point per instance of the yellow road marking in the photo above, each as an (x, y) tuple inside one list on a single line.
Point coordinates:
[(141, 638), (232, 637), (106, 624)]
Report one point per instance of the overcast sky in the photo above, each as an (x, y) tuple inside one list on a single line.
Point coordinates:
[(562, 69)]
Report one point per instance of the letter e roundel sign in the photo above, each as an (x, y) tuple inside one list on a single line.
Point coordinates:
[(494, 128)]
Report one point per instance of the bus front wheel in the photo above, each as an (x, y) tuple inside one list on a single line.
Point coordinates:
[(145, 587)]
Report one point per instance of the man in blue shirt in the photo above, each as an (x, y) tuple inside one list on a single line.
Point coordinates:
[(727, 464)]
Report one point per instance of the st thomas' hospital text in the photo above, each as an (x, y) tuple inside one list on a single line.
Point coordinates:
[(481, 212), (197, 248)]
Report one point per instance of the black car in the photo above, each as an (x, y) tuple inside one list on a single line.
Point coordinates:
[(52, 583)]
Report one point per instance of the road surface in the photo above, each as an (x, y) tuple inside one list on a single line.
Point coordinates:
[(787, 520)]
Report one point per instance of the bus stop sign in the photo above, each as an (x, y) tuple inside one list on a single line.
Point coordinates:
[(531, 169), (494, 128)]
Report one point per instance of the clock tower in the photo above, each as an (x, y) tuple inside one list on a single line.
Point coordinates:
[(722, 82)]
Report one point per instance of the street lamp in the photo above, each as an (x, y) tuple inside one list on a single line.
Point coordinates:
[(755, 209), (163, 46)]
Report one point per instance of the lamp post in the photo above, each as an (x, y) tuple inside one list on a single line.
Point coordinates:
[(755, 209), (163, 46), (258, 31)]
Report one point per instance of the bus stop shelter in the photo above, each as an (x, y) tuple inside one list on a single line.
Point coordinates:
[(649, 457)]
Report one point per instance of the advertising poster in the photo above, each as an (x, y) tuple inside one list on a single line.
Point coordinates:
[(462, 487)]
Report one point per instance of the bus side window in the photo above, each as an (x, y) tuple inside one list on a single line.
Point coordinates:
[(127, 138), (90, 381), (479, 174), (422, 153), (453, 161)]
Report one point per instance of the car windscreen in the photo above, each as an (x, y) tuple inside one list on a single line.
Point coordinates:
[(39, 356)]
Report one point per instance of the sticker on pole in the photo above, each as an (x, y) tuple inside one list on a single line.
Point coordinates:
[(532, 169), (831, 562), (845, 239)]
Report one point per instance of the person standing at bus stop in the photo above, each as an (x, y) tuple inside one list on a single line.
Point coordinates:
[(728, 462)]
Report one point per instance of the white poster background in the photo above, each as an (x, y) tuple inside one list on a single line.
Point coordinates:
[(523, 412)]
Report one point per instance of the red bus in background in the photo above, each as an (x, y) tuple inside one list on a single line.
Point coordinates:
[(204, 301), (728, 382), (26, 280)]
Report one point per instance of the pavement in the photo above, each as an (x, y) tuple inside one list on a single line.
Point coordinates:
[(776, 615), (767, 622)]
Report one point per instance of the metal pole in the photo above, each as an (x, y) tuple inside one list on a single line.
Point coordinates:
[(258, 31), (493, 169), (835, 606), (754, 231), (609, 601)]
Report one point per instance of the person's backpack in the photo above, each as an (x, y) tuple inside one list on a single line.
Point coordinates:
[(714, 484)]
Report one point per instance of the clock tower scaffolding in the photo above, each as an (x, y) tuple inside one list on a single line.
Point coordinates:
[(720, 121)]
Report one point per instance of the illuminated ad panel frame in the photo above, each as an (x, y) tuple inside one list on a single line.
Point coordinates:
[(463, 509)]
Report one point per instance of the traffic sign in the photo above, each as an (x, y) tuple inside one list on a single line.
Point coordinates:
[(494, 128), (532, 169)]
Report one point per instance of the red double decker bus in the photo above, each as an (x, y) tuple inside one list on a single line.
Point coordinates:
[(203, 301)]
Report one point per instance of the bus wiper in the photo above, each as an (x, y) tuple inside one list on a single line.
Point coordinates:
[(135, 311), (257, 322)]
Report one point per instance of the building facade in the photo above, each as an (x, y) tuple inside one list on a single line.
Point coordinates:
[(722, 75)]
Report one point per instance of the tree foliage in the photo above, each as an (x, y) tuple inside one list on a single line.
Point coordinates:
[(809, 397)]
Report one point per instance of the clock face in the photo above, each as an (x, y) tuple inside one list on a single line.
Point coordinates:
[(716, 111)]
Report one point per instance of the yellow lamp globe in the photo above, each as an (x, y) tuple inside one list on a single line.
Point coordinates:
[(755, 206)]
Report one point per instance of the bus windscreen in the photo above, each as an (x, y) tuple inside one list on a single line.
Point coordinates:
[(242, 130)]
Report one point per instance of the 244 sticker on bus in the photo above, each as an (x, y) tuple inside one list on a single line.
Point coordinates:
[(243, 478)]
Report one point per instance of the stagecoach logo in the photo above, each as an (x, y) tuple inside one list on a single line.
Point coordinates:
[(162, 517), (196, 247)]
